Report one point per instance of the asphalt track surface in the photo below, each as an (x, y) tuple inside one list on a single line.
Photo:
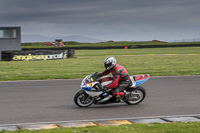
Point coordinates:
[(52, 100)]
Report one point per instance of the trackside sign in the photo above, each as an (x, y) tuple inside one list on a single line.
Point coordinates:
[(34, 55)]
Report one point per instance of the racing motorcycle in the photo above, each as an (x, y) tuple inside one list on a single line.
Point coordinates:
[(92, 91)]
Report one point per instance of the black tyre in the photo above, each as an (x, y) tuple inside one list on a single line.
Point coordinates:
[(136, 95), (82, 99)]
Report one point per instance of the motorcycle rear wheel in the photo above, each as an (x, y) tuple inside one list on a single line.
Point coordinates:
[(82, 99), (136, 95)]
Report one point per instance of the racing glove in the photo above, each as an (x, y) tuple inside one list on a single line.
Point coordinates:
[(98, 74)]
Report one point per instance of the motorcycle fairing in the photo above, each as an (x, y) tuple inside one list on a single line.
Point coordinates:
[(139, 82), (99, 96), (139, 79), (106, 80), (87, 88)]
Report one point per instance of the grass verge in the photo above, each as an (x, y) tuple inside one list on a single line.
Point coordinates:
[(177, 50), (86, 63), (179, 127), (103, 44)]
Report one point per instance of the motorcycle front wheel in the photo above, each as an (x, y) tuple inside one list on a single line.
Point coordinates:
[(136, 95), (82, 99)]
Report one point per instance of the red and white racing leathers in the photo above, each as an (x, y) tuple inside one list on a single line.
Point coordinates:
[(121, 79)]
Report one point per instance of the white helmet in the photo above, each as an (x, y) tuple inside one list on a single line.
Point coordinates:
[(109, 62)]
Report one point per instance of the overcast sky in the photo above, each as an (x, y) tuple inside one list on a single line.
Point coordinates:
[(125, 20)]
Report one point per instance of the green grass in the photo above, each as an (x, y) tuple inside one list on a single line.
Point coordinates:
[(189, 127), (77, 44), (176, 50), (86, 63), (100, 44)]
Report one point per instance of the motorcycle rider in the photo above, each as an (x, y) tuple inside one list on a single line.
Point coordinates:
[(121, 78)]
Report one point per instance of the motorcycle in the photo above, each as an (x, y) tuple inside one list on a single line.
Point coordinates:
[(92, 91)]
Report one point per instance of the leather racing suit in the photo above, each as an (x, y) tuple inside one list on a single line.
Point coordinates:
[(121, 79)]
